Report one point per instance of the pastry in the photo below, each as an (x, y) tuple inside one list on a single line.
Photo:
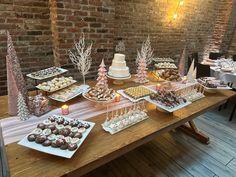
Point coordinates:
[(59, 133), (47, 143), (165, 65), (66, 93), (41, 126), (137, 92), (72, 147), (56, 84), (170, 75), (40, 139), (31, 137), (167, 98), (211, 82)]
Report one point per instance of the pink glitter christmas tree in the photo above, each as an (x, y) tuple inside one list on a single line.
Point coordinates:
[(11, 88), (15, 71), (141, 76), (102, 78)]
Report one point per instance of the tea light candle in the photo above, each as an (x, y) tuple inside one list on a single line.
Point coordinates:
[(158, 86), (117, 97), (65, 110)]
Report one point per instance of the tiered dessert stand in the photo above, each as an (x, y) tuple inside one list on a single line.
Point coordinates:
[(39, 78)]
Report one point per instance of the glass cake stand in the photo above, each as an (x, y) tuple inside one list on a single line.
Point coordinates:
[(118, 80)]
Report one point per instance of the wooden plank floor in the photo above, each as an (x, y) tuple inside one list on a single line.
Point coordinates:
[(176, 154)]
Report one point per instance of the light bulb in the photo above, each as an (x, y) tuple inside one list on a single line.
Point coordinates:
[(181, 3), (175, 16)]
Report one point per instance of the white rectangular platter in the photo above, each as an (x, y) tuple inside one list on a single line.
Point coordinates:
[(122, 92), (167, 108), (78, 92), (57, 151), (61, 71)]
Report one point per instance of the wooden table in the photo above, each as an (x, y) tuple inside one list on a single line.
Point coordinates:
[(100, 147)]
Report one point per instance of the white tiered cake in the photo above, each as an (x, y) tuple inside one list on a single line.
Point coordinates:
[(118, 68)]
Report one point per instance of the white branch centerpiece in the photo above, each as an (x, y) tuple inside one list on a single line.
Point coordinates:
[(146, 52), (81, 58)]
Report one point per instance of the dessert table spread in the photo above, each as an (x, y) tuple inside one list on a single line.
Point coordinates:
[(100, 147)]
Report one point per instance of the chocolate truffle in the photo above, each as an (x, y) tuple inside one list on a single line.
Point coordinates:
[(56, 131), (60, 120), (80, 124), (47, 143), (41, 126), (52, 119), (60, 142), (40, 139), (65, 132), (64, 146), (71, 134), (73, 123), (66, 123), (52, 127), (54, 144), (78, 135), (86, 125), (72, 147), (31, 137)]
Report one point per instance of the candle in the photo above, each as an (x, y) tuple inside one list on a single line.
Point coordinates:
[(117, 99), (65, 110), (158, 86)]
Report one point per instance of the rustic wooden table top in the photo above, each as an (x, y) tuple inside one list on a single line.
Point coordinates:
[(100, 147)]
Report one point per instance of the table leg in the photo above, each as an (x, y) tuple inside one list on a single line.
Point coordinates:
[(193, 131)]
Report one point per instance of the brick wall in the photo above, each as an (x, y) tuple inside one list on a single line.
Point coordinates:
[(232, 48), (44, 30), (28, 23), (95, 18)]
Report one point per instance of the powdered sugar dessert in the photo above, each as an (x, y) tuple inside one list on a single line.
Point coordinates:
[(118, 68)]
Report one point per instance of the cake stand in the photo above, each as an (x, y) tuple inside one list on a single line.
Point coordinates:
[(118, 80)]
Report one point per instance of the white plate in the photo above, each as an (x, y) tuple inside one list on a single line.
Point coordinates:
[(167, 108), (71, 83), (49, 76), (122, 92), (118, 78), (56, 151), (79, 92)]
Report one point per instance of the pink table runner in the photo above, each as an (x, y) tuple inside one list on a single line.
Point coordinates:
[(13, 129)]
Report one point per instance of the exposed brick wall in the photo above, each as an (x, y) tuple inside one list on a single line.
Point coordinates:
[(95, 18), (232, 49), (44, 30), (29, 24), (223, 30)]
